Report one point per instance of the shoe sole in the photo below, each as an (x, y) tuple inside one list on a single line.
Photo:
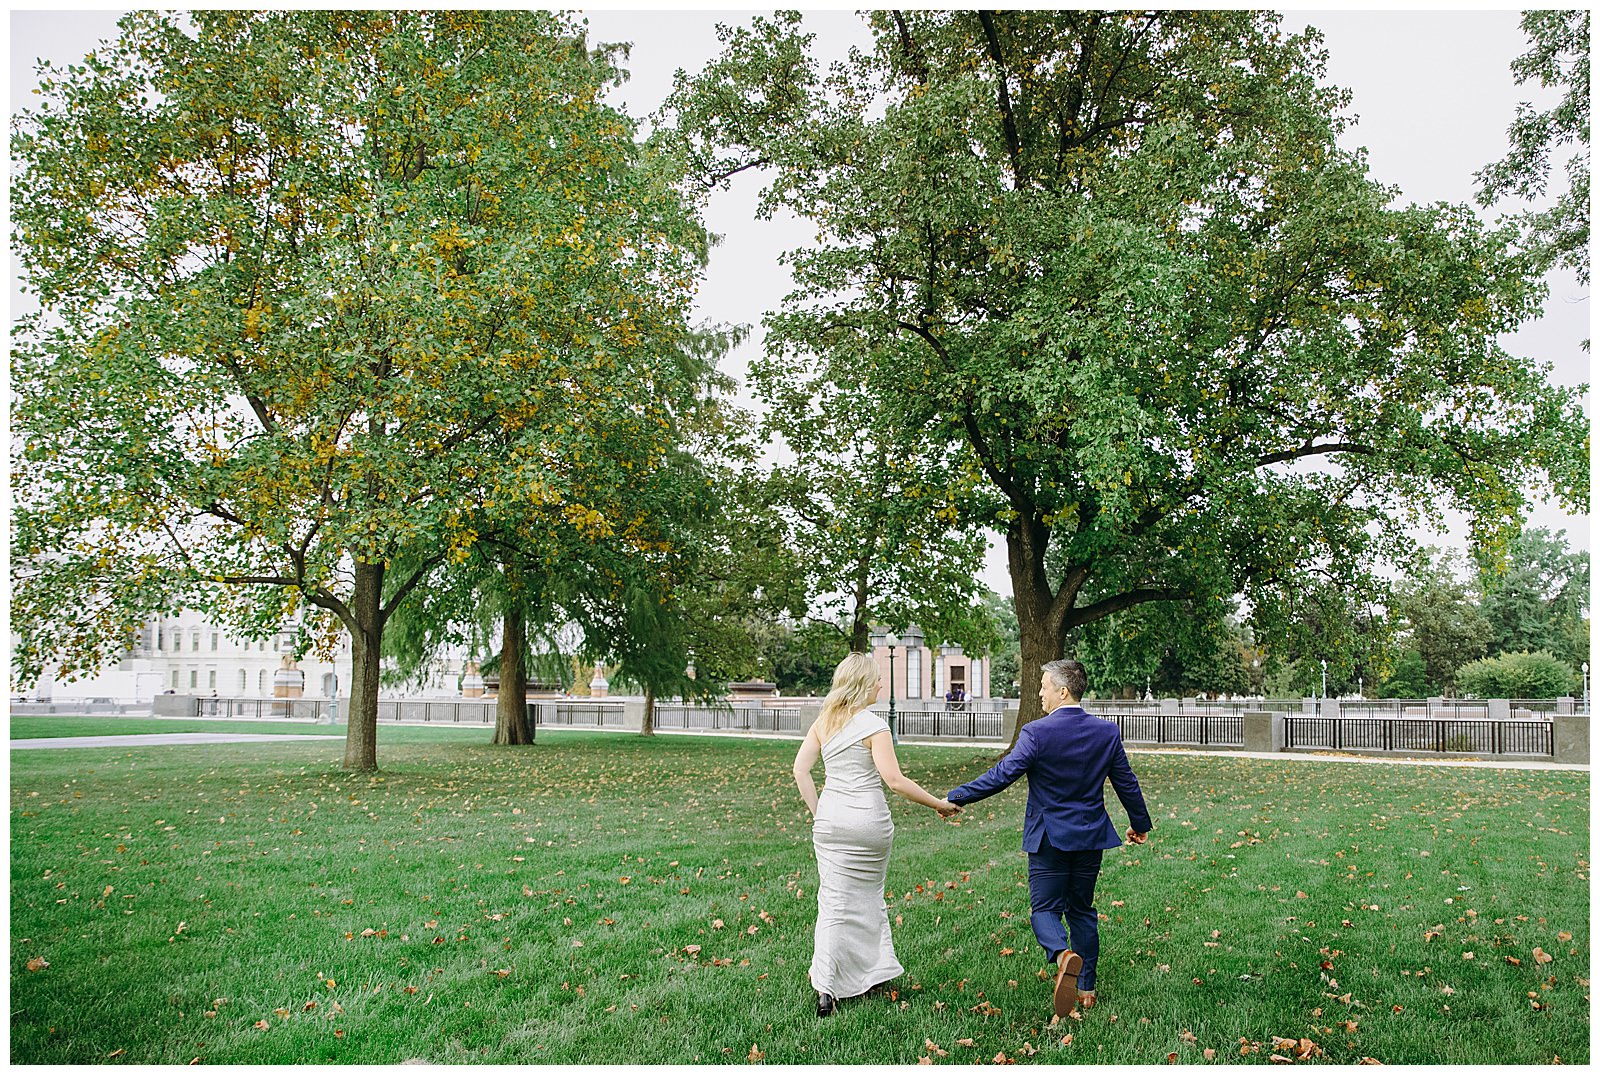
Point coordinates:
[(1066, 991)]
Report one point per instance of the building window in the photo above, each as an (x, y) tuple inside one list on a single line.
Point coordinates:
[(174, 679), (243, 680), (211, 680), (261, 682), (194, 641), (913, 672), (194, 678), (161, 639), (213, 640)]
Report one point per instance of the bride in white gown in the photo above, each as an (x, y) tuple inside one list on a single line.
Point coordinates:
[(852, 834)]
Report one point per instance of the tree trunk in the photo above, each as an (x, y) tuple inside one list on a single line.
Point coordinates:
[(859, 642), (648, 725), (361, 734), (511, 711), (1039, 624)]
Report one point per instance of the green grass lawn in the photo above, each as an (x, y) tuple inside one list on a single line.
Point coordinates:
[(606, 899)]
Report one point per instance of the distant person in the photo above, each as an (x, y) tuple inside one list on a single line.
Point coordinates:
[(852, 834), (1067, 754)]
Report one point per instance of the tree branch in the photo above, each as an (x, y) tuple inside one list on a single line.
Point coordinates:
[(1308, 449), (399, 596), (1008, 122), (1101, 609)]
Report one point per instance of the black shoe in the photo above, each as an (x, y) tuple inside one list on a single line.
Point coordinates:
[(825, 1004)]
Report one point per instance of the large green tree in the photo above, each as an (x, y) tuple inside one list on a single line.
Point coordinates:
[(1537, 598), (319, 289), (872, 508), (1557, 59), (1168, 323), (1436, 618)]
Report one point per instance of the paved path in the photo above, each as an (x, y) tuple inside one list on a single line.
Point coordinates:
[(157, 739)]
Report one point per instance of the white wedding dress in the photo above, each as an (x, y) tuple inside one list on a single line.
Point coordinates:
[(852, 836)]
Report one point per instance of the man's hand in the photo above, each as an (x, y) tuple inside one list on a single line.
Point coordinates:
[(1137, 837), (947, 809)]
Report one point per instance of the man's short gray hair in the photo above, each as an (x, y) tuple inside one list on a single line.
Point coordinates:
[(1069, 675)]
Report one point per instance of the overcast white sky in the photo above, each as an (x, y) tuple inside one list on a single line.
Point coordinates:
[(1433, 91)]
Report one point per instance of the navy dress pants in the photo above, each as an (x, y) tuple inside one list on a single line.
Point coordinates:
[(1061, 885)]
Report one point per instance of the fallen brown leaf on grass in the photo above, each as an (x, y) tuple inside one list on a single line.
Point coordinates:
[(38, 963), (968, 1042), (1209, 1054), (1541, 956), (924, 1059), (1066, 1040), (262, 1024), (119, 1052), (756, 1055)]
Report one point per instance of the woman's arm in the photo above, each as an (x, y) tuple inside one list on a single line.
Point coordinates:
[(810, 751), (902, 785)]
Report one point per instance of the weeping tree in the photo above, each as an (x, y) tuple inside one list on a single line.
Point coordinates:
[(316, 288), (1174, 332), (872, 511)]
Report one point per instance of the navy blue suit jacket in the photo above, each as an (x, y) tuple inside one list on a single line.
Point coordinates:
[(1067, 755)]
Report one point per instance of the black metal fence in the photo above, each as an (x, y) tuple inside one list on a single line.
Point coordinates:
[(419, 711), (562, 713), (787, 719), (272, 708), (956, 720), (567, 714), (1527, 737), (1179, 729)]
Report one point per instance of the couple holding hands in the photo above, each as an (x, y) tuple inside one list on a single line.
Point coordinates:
[(1068, 755)]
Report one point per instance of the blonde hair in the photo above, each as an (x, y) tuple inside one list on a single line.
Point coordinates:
[(855, 687)]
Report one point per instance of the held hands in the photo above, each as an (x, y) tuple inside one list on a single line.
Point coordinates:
[(1137, 837), (947, 809)]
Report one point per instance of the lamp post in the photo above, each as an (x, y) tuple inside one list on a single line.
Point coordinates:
[(1586, 686), (889, 642), (1324, 677), (1147, 694)]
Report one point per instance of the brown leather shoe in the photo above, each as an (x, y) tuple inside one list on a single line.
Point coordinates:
[(1068, 964)]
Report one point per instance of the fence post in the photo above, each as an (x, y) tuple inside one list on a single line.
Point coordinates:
[(1569, 738), (1260, 727)]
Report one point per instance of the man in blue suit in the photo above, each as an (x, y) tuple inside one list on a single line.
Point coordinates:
[(1068, 755)]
